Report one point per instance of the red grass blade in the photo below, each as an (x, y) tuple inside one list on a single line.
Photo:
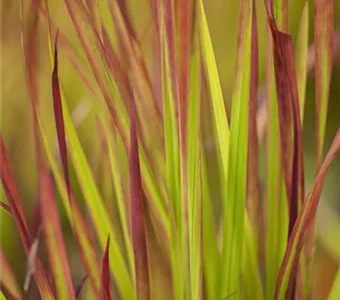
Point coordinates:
[(304, 221), (8, 283), (324, 35), (58, 115), (289, 115), (137, 212), (10, 188), (105, 289)]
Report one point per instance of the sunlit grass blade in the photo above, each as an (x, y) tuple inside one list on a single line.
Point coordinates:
[(334, 293), (113, 152), (250, 264), (220, 117), (172, 150), (105, 288), (194, 183), (276, 210), (304, 222), (138, 212), (253, 187), (301, 57), (8, 283), (235, 203), (10, 188), (323, 35), (80, 227)]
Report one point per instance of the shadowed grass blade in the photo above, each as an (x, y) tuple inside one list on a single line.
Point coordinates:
[(304, 222), (20, 221), (54, 239), (8, 282), (105, 288), (138, 212)]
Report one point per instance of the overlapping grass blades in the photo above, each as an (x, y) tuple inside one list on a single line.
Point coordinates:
[(175, 237)]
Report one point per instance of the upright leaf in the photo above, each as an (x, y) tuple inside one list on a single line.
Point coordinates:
[(138, 212), (105, 289), (235, 203), (304, 222), (323, 35), (10, 188), (8, 282)]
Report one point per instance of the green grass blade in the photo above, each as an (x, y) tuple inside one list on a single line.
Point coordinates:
[(301, 58), (193, 173), (234, 208), (334, 294), (173, 167), (324, 37), (220, 117)]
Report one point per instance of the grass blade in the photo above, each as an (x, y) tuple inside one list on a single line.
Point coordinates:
[(304, 222), (220, 116), (253, 188), (8, 282), (234, 207), (335, 290), (301, 54), (137, 212), (54, 239), (324, 36), (20, 221), (172, 149), (58, 115), (105, 289), (102, 223), (79, 287), (193, 166)]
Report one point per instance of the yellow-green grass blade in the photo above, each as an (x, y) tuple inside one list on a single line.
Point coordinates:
[(172, 157), (301, 58), (250, 264), (276, 222), (301, 75), (193, 173), (220, 117), (234, 208), (112, 144), (323, 35), (304, 222), (74, 216), (334, 293), (96, 207)]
